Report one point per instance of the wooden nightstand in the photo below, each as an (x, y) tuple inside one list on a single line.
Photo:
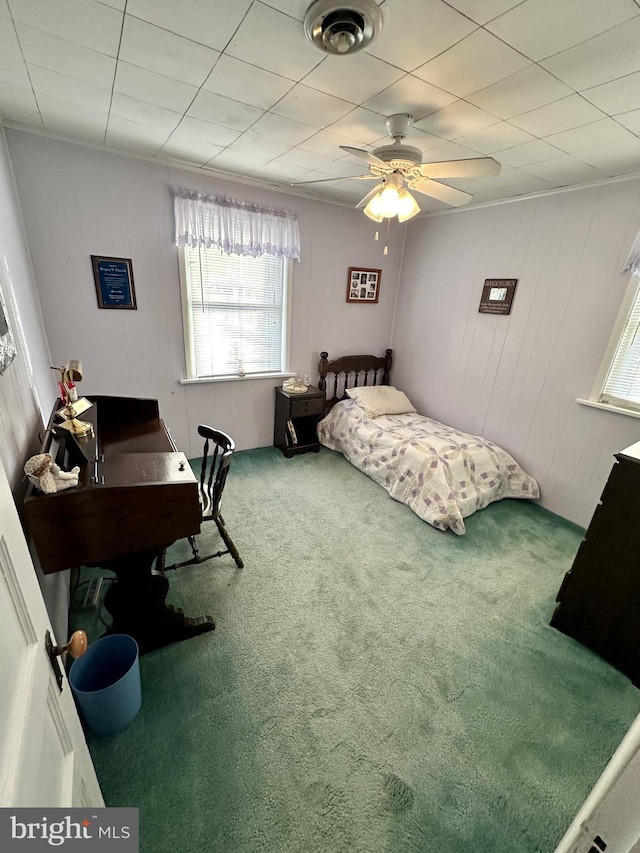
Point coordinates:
[(294, 429)]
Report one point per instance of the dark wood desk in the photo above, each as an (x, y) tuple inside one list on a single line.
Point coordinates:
[(136, 496)]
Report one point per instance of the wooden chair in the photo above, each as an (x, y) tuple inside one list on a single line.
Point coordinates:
[(216, 458)]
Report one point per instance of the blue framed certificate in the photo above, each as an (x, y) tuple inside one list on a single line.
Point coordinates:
[(113, 278)]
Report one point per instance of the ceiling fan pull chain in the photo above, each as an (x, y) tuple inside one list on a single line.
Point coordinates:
[(386, 245)]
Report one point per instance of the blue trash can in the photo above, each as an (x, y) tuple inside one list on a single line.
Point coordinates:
[(105, 682)]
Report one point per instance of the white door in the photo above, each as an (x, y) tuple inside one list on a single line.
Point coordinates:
[(44, 758)]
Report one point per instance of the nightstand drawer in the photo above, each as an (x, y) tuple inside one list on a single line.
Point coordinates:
[(300, 408)]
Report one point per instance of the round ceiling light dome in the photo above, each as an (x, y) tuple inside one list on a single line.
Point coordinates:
[(342, 28)]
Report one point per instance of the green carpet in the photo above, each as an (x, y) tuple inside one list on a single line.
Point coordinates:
[(372, 684)]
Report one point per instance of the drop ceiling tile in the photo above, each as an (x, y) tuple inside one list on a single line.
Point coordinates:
[(115, 4), (68, 111), (20, 116), (236, 162), (560, 115), (531, 152), (540, 28), (191, 130), (135, 131), (196, 154), (224, 111), (281, 171), (327, 143), (472, 64), (482, 11), (497, 137), (589, 136), (606, 57), (415, 96), (311, 106), (129, 144), (414, 31), (294, 8), (418, 139), (353, 78), (51, 83), (516, 182), (9, 45), (122, 106), (307, 159), (80, 127), (274, 41), (362, 125), (153, 88), (344, 169), (459, 119), (246, 83), (450, 151), (18, 98), (4, 9), (165, 53), (631, 120), (66, 57), (78, 21), (564, 171), (13, 71), (209, 22), (479, 188), (253, 143), (283, 129), (525, 90), (616, 158), (618, 96)]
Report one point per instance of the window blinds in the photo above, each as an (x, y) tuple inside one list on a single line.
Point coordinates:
[(237, 310), (622, 385)]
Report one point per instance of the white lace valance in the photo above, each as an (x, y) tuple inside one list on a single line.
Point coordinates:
[(234, 227), (633, 261)]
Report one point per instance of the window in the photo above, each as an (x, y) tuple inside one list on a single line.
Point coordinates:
[(618, 383), (235, 313)]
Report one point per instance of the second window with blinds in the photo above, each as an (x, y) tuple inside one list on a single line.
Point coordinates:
[(236, 314), (617, 385)]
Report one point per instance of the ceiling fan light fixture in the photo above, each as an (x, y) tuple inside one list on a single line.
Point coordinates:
[(407, 206), (389, 201), (342, 41), (342, 28), (372, 210)]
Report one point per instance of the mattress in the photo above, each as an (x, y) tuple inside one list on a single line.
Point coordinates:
[(442, 474)]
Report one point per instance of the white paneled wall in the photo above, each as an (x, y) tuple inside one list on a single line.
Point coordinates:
[(79, 201), (20, 417), (515, 378)]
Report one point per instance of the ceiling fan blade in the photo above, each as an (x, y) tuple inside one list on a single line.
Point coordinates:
[(371, 159), (474, 167), (441, 192), (343, 178), (365, 201)]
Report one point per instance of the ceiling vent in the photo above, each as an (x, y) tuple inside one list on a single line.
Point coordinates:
[(340, 28)]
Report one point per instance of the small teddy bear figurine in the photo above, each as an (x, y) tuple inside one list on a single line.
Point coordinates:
[(47, 476)]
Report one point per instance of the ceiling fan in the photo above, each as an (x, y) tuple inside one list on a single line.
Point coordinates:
[(396, 164)]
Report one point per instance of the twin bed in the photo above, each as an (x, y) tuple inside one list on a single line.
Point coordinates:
[(442, 474)]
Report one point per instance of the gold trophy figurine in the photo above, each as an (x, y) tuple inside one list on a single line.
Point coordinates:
[(69, 375)]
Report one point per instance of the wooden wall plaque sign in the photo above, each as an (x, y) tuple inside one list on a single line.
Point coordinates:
[(497, 295)]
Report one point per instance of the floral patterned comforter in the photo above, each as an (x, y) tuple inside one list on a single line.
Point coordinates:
[(442, 474)]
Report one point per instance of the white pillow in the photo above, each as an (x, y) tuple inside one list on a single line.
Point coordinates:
[(379, 400)]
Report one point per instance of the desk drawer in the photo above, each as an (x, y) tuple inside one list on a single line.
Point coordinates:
[(300, 408)]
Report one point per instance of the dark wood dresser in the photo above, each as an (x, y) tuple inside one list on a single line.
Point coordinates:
[(599, 600)]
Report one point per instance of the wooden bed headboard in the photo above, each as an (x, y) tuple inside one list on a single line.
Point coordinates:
[(349, 370)]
